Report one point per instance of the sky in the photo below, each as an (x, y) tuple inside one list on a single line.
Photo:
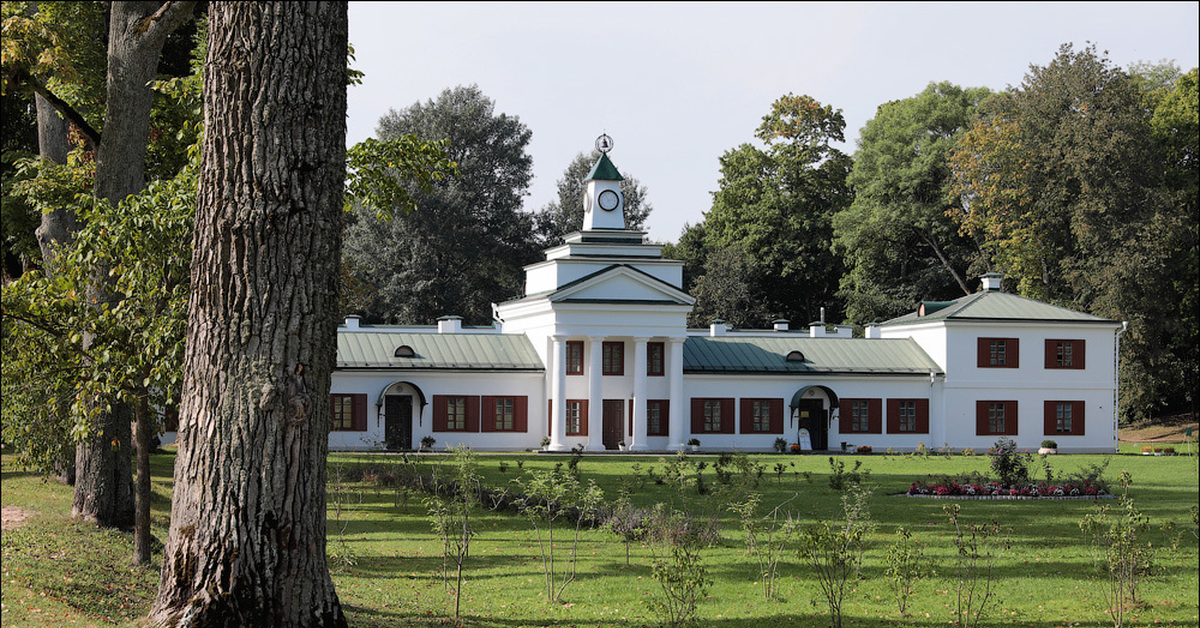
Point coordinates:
[(676, 85)]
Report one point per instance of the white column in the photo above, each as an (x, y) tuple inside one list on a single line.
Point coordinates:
[(637, 442), (675, 370), (595, 416), (558, 387)]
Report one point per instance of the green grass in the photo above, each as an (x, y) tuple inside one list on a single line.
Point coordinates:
[(1047, 579)]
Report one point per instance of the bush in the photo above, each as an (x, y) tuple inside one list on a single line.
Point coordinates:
[(1010, 466), (1049, 444)]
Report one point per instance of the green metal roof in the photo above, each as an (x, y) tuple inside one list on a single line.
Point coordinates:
[(475, 352), (768, 354), (992, 306), (604, 170)]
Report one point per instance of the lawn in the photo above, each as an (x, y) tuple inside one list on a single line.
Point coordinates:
[(388, 567)]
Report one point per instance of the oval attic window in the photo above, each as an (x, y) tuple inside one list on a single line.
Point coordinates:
[(405, 351), (795, 356)]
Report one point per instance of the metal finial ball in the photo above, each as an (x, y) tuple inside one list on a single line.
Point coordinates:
[(604, 143)]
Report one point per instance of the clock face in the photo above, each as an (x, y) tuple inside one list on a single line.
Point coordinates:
[(608, 200)]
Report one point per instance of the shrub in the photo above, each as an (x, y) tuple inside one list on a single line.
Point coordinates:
[(781, 445), (551, 496), (1123, 557), (863, 449), (1010, 466), (683, 580), (1049, 444), (840, 478), (905, 566), (978, 546), (834, 550)]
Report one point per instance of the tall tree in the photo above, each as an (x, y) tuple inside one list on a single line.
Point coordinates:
[(898, 242), (465, 246), (565, 214), (776, 205), (247, 537), (1065, 186)]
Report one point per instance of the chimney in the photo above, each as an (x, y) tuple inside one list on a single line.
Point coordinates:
[(781, 324), (816, 329), (873, 331), (717, 327), (352, 322), (449, 325), (991, 282)]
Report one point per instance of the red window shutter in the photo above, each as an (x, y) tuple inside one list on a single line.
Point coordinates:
[(981, 418), (845, 416), (1079, 357), (549, 416), (1049, 416), (472, 414), (1051, 353), (360, 412), (697, 416), (665, 414), (747, 416), (893, 416), (1010, 418), (1077, 422), (776, 416), (629, 419), (1013, 348), (728, 421), (922, 416), (521, 414), (487, 414), (439, 413), (583, 417), (983, 353), (875, 416)]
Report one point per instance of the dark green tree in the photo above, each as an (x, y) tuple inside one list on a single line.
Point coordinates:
[(565, 214), (465, 245), (777, 204), (1069, 191), (899, 245)]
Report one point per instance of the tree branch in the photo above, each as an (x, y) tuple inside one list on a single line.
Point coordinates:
[(166, 19), (92, 136)]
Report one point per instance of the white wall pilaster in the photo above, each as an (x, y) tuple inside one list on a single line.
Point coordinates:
[(558, 419), (637, 442), (595, 417), (675, 371)]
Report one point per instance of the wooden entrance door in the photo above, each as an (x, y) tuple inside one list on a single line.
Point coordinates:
[(397, 427), (614, 422), (812, 415)]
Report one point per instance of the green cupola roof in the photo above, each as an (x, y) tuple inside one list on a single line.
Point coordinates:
[(604, 170)]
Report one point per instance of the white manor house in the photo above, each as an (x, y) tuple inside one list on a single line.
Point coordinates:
[(597, 354)]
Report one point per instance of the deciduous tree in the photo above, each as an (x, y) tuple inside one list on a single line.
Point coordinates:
[(247, 538)]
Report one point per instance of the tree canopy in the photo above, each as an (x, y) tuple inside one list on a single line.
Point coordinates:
[(464, 246)]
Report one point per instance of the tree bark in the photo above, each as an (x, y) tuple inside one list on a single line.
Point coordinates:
[(141, 524), (137, 32), (247, 539)]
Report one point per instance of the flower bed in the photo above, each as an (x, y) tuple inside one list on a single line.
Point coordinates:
[(949, 486)]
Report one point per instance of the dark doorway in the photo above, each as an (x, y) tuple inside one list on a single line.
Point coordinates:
[(813, 418), (614, 422), (397, 426)]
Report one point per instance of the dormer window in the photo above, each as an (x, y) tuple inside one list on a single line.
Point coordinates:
[(405, 351), (795, 356)]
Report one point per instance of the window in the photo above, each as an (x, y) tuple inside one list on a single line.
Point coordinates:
[(574, 357), (613, 359), (995, 418), (998, 353), (908, 416), (455, 413), (577, 419), (655, 360), (861, 416), (657, 417), (1063, 418), (712, 416), (348, 413), (505, 414), (1065, 354), (762, 416)]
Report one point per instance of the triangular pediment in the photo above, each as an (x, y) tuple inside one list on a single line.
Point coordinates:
[(620, 284)]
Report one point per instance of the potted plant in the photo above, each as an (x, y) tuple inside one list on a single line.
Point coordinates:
[(795, 447), (621, 445), (863, 449), (427, 443), (545, 442), (694, 444), (781, 445), (1048, 447), (1147, 451)]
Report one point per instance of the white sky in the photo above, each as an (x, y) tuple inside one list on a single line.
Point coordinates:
[(677, 85)]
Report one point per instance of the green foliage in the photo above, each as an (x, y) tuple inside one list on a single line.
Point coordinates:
[(1124, 557), (840, 479), (899, 245), (465, 245), (833, 549), (773, 211), (767, 537), (450, 517), (676, 565), (377, 172), (979, 546), (1010, 466), (549, 496), (906, 565)]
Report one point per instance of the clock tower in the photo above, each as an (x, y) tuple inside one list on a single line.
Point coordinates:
[(603, 203)]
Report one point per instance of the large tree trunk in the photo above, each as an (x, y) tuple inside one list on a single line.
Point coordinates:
[(247, 539), (137, 32)]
